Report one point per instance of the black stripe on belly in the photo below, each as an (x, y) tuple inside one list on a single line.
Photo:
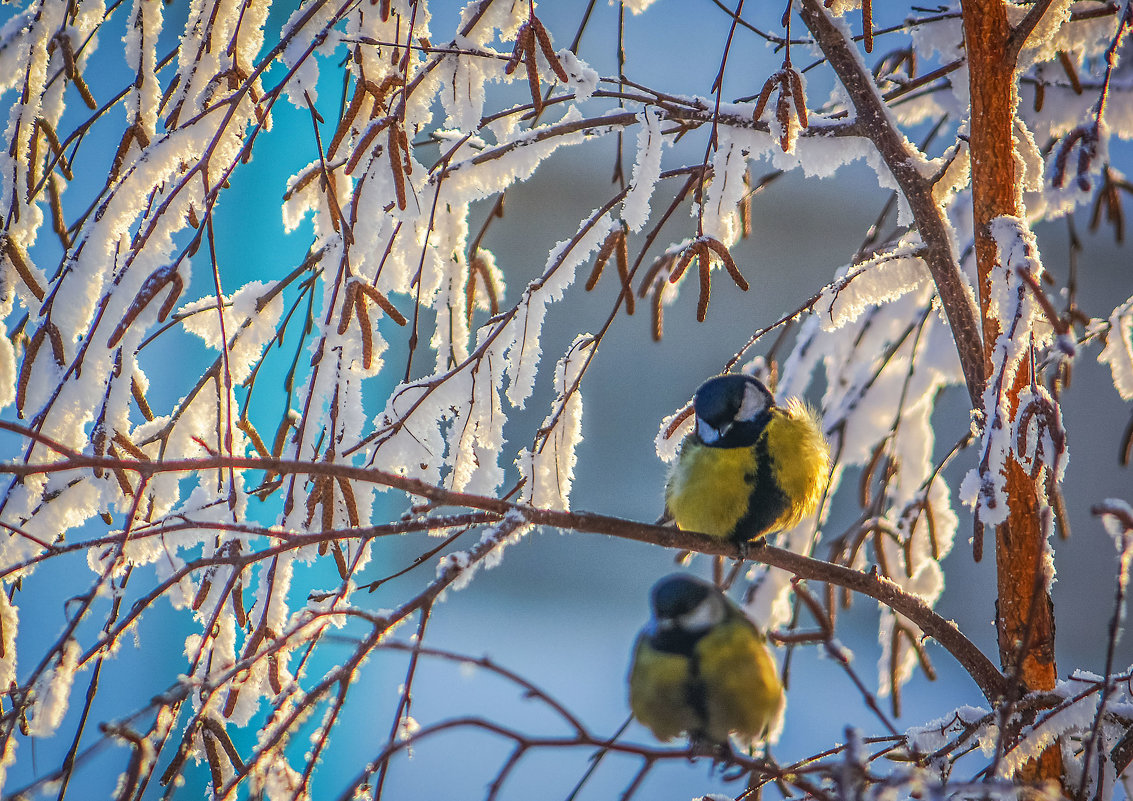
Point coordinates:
[(767, 501), (683, 643), (696, 693)]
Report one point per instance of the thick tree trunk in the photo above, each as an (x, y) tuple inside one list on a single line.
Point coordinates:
[(1024, 615)]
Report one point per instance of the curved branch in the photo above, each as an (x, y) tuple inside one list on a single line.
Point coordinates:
[(1024, 29), (901, 159), (983, 672)]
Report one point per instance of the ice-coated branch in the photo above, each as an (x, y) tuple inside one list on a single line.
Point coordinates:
[(402, 159), (978, 666), (900, 158), (1025, 28)]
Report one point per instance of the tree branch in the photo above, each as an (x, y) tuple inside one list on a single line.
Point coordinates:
[(1024, 29), (990, 681), (901, 159)]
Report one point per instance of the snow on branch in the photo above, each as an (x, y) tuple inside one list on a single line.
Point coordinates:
[(1118, 350), (191, 415), (1021, 329)]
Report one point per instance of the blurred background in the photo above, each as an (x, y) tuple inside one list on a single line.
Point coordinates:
[(562, 609)]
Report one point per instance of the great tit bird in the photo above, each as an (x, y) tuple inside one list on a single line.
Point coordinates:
[(749, 467), (702, 668)]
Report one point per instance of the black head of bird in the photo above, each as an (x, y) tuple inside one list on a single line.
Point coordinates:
[(731, 410), (684, 608)]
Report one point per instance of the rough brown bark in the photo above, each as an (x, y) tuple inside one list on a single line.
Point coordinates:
[(1024, 614)]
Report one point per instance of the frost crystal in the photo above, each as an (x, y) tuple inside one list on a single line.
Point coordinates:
[(53, 693), (646, 171), (140, 362), (1118, 350)]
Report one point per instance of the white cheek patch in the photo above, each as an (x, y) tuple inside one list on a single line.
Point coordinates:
[(707, 433), (754, 403), (706, 615)]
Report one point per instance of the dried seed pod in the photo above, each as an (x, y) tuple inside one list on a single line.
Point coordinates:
[(351, 504), (56, 146), (396, 164), (162, 277), (367, 331), (548, 51), (313, 499), (58, 224), (327, 519), (1063, 156), (764, 96), (623, 271), (375, 295), (245, 425), (1087, 150), (339, 560), (33, 163), (533, 76), (704, 268), (202, 594), (797, 93), (867, 25), (360, 149), (120, 475), (745, 208), (238, 603), (682, 265), (330, 188), (379, 92), (140, 399), (404, 141), (344, 125), (176, 287), (347, 307), (725, 256), (16, 257), (123, 442), (603, 256), (478, 266), (1070, 70), (783, 116), (520, 50), (84, 91), (273, 674)]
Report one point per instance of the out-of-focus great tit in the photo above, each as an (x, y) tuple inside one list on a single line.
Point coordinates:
[(702, 668), (749, 467)]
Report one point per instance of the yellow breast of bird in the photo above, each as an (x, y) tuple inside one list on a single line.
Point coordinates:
[(742, 689), (659, 687), (709, 490), (801, 459)]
